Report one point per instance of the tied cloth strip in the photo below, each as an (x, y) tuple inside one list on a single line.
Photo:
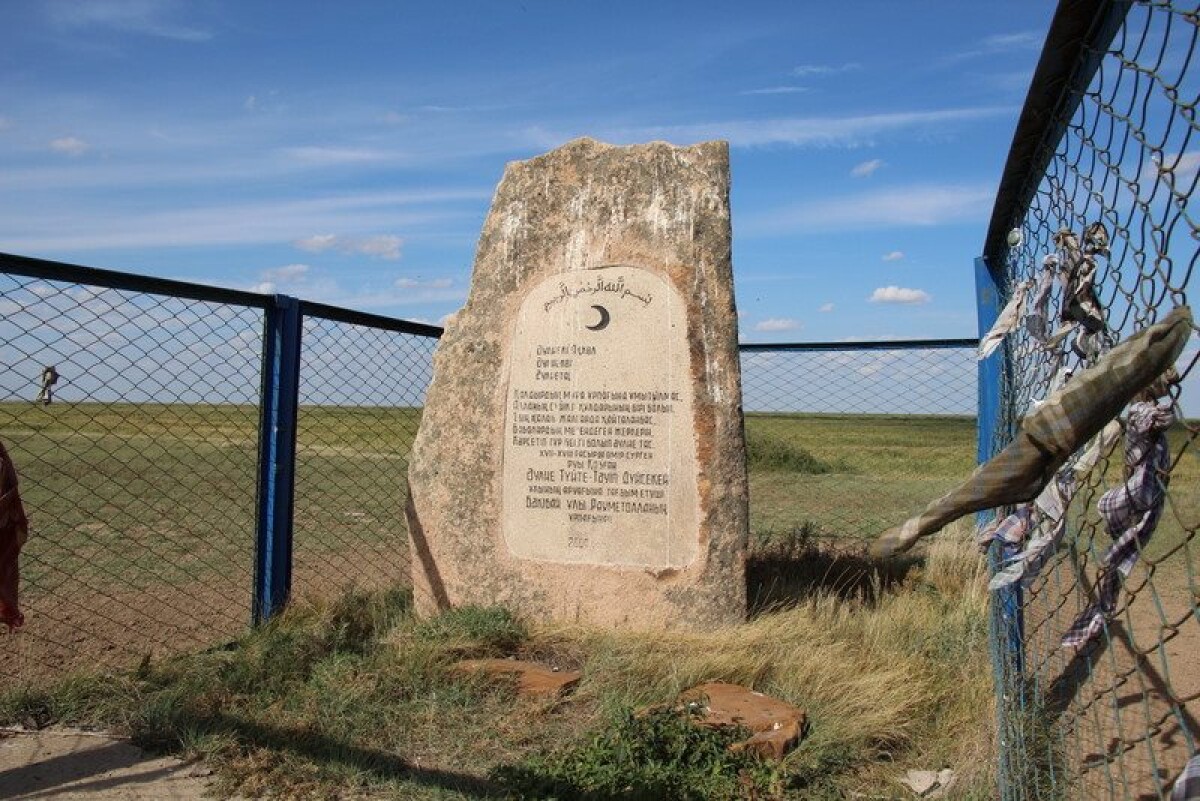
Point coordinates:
[(1050, 512), (1131, 512), (1070, 417), (1007, 322), (1037, 320)]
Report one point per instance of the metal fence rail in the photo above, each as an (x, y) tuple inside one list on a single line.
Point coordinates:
[(1100, 174)]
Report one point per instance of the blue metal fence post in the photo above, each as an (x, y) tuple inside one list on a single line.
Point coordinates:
[(1007, 618), (277, 457)]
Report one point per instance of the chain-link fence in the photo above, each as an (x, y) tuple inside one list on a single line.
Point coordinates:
[(843, 439), (362, 386), (1091, 240), (156, 471), (142, 454)]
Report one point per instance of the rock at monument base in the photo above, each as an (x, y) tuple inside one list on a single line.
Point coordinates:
[(777, 725), (581, 456)]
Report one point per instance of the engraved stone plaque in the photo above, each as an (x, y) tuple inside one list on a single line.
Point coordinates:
[(581, 455), (600, 453)]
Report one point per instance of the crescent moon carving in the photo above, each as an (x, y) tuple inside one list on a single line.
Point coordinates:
[(605, 317)]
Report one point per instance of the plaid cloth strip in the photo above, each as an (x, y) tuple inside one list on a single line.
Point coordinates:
[(1187, 786), (1012, 529), (1055, 430), (1037, 319), (1131, 511), (1091, 620)]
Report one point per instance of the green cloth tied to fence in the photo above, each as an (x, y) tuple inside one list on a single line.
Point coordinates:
[(1053, 431)]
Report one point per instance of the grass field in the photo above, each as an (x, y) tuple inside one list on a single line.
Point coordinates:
[(142, 521)]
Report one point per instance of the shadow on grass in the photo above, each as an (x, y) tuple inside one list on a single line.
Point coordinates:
[(320, 749), (782, 575)]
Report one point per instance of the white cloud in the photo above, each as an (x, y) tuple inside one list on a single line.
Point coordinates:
[(775, 90), (251, 103), (316, 243), (1183, 166), (146, 17), (1025, 40), (777, 324), (912, 206), (416, 283), (71, 145), (265, 287), (895, 255), (385, 246), (993, 45), (866, 168), (896, 294), (322, 156), (382, 246), (826, 308), (809, 70), (289, 272)]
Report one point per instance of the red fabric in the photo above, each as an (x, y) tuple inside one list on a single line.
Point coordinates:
[(14, 530)]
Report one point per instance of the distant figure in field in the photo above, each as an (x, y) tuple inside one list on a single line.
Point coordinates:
[(49, 379)]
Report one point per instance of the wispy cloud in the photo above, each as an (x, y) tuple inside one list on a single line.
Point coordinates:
[(800, 131), (777, 324), (811, 70), (146, 17), (895, 255), (338, 155), (825, 308), (418, 283), (5, 123), (897, 207), (897, 294), (866, 168), (70, 145), (775, 90), (309, 283), (380, 246), (994, 45), (268, 221), (1024, 40)]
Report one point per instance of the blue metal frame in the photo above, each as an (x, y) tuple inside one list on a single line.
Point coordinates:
[(1007, 621), (277, 457)]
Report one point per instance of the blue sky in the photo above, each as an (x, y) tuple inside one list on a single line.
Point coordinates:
[(347, 152)]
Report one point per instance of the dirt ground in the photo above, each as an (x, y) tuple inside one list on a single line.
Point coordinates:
[(69, 764), (1128, 702)]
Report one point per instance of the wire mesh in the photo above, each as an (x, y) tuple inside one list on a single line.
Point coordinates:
[(1115, 716), (361, 393), (137, 471), (842, 443)]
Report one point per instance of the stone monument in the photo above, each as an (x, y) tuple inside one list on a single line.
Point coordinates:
[(581, 454)]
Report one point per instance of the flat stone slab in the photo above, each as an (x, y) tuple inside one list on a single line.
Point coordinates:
[(533, 680), (777, 725), (581, 454)]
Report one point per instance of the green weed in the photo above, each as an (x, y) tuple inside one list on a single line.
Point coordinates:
[(658, 756)]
